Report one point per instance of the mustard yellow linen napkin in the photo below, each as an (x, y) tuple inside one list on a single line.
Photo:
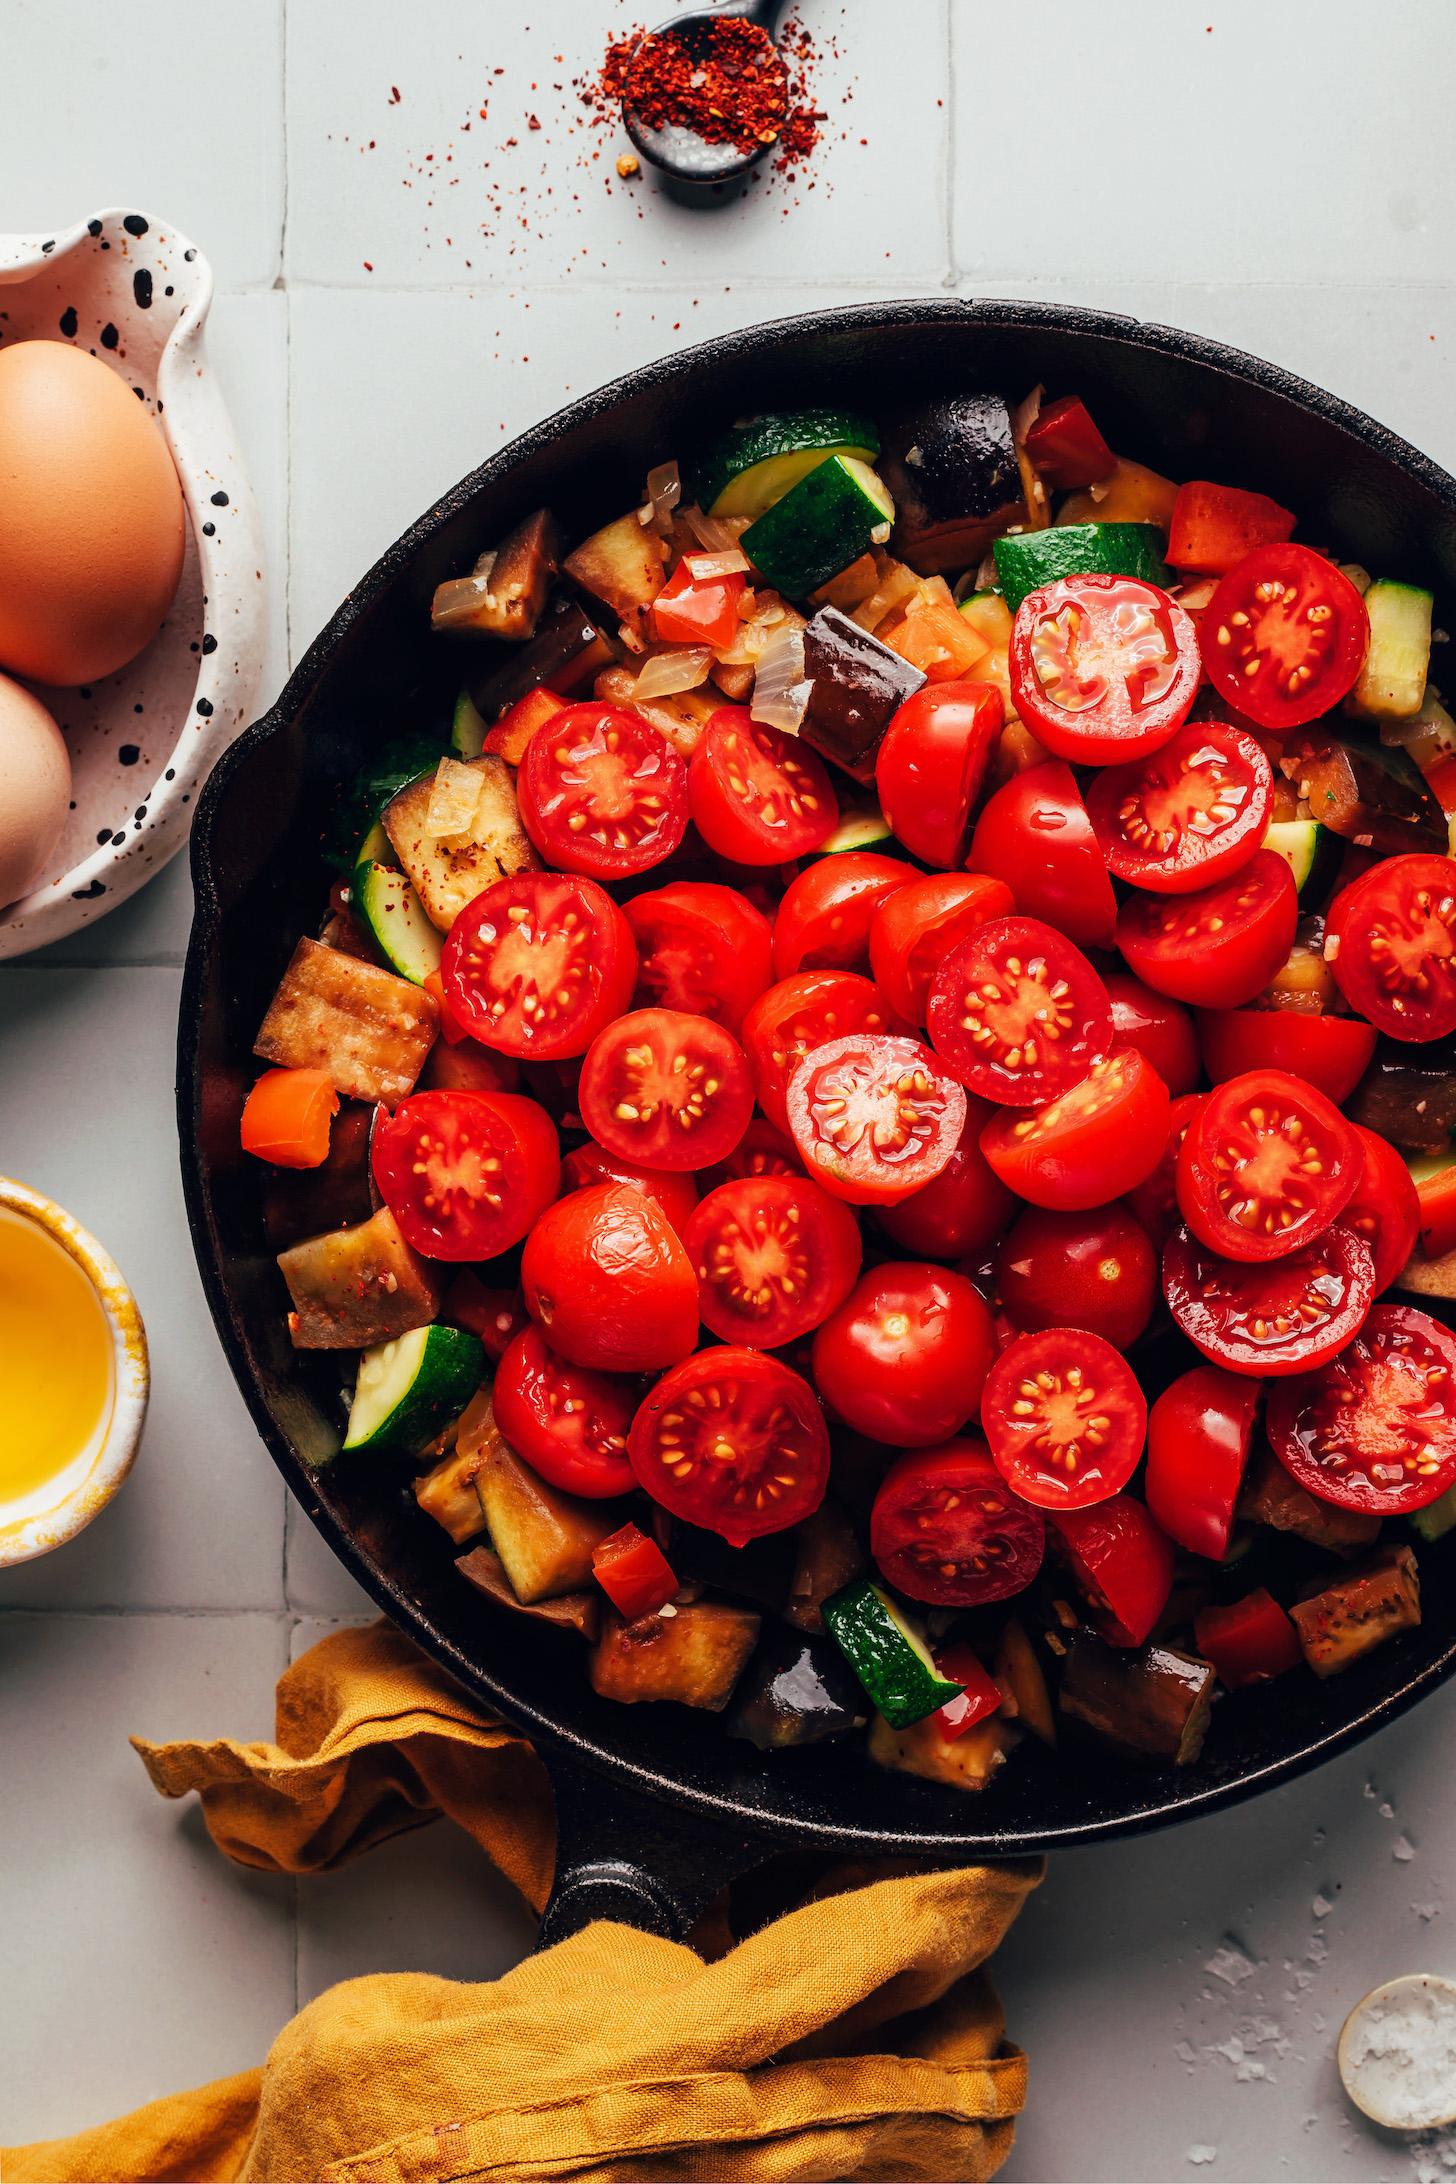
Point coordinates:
[(856, 2037)]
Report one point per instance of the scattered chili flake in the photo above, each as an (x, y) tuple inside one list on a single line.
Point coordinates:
[(394, 94)]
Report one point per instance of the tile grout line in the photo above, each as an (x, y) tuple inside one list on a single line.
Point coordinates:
[(948, 153), (282, 283)]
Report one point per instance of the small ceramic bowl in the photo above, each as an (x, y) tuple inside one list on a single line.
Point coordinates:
[(58, 1511), (128, 289)]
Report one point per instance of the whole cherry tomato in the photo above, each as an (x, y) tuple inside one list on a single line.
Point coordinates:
[(606, 1277), (904, 1357), (1095, 1270), (1035, 835), (1199, 1431), (823, 922), (701, 948), (930, 765), (1160, 1029)]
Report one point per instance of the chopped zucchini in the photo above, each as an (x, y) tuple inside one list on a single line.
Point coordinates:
[(1363, 1608), (1154, 1704), (693, 1652), (350, 836), (467, 728), (987, 612), (448, 873), (368, 1028), (966, 1762), (1392, 682), (1437, 1518), (396, 917), (450, 1495), (1271, 1497), (833, 515), (1019, 1673), (408, 1389), (545, 1539), (757, 463), (863, 826), (1025, 560), (624, 565), (358, 1286), (891, 1660), (1312, 853), (578, 1611)]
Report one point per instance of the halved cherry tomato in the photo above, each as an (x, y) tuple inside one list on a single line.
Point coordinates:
[(1199, 1431), (762, 1150), (604, 1273), (733, 1441), (1278, 1316), (697, 611), (536, 964), (930, 765), (915, 928), (874, 1118), (496, 1315), (1390, 942), (1189, 814), (978, 1698), (1376, 1428), (1214, 526), (1221, 946), (602, 791), (1330, 1052), (774, 1256), (944, 1528), (1090, 1144), (963, 1210), (1385, 1208), (1154, 1201), (1103, 668), (634, 1573), (757, 796), (465, 1173), (1250, 1641), (1160, 1028), (675, 1195), (1436, 1195), (1094, 1270), (799, 1014), (287, 1117), (666, 1089), (1034, 834), (1265, 1167), (823, 922), (567, 1421), (702, 948), (904, 1357), (1064, 1417), (1065, 447), (1284, 636), (1017, 1013), (1123, 1563)]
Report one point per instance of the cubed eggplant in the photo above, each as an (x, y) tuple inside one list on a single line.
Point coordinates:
[(760, 1571), (1408, 1095), (300, 1202), (1369, 795), (1154, 1704), (951, 466), (566, 652), (857, 687), (828, 1556), (1270, 1496), (796, 1690), (578, 1611), (506, 592)]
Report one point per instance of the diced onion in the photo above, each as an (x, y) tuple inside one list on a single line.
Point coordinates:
[(664, 491), (732, 561), (1025, 415), (711, 532), (631, 640), (457, 601), (668, 672), (454, 797), (780, 690)]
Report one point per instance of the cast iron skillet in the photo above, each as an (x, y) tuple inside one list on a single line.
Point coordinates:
[(657, 1805)]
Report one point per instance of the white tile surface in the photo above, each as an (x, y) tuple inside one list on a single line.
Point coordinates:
[(138, 1961), (1289, 193)]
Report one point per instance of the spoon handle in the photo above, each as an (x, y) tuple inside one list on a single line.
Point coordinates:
[(765, 13)]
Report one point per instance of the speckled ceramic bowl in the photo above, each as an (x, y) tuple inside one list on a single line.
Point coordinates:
[(66, 1504), (127, 288)]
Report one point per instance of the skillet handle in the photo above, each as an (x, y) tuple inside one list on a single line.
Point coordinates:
[(626, 1856)]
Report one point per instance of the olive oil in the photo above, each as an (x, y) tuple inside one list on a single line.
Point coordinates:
[(56, 1367)]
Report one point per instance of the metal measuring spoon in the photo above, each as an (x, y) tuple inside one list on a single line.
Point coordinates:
[(682, 153)]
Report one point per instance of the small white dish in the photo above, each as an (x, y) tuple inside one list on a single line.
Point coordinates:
[(131, 291), (66, 1504), (1397, 2053)]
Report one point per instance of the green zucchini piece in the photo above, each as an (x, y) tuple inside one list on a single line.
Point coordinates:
[(1437, 1518), (409, 1388), (1311, 852), (396, 917), (755, 464), (376, 847), (890, 1659), (1025, 560), (467, 728), (1392, 682), (863, 827), (831, 517), (360, 805)]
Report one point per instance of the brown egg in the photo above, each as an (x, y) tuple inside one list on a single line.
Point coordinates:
[(35, 771), (91, 517)]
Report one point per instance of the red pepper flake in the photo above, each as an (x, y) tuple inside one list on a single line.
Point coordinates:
[(532, 122), (394, 94)]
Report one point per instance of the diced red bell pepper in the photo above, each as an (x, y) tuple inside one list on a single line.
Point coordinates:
[(1441, 781), (496, 1315), (1437, 1194), (704, 612), (1250, 1641), (1214, 526), (979, 1696), (519, 722), (1065, 447), (287, 1117), (633, 1572)]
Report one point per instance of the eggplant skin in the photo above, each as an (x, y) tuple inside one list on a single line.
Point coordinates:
[(951, 468)]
